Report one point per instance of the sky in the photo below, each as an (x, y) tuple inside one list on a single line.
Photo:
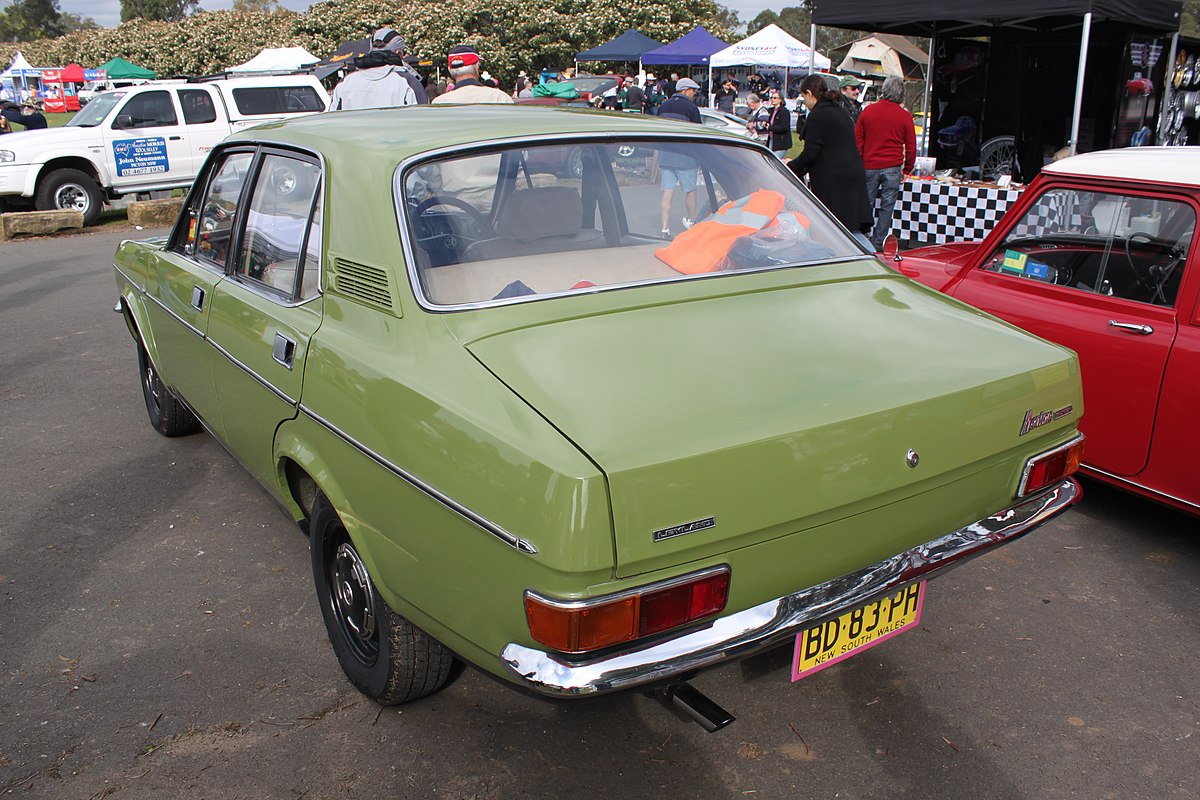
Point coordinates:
[(107, 13)]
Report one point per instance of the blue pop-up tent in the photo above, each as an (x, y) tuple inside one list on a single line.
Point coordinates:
[(629, 46), (694, 47)]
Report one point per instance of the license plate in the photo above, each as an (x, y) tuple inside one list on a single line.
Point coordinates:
[(830, 642)]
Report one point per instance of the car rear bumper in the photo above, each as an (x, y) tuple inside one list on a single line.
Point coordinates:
[(772, 623)]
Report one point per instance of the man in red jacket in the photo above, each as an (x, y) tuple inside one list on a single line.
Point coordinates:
[(887, 142)]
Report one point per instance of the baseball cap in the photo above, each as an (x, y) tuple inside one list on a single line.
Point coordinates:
[(388, 39), (686, 83), (849, 80), (462, 55)]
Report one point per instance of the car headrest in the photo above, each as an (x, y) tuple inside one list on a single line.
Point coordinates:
[(532, 214)]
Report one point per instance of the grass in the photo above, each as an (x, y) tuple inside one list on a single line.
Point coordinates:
[(58, 120)]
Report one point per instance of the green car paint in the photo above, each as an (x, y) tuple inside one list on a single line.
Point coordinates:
[(476, 454)]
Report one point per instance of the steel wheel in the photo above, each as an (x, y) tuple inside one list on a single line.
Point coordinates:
[(352, 598)]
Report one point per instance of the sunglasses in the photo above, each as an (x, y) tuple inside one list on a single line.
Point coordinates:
[(854, 88)]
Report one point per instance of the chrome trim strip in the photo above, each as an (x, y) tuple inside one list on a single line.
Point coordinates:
[(1078, 437), (173, 315), (480, 521), (649, 588), (275, 390), (130, 280), (772, 623), (1118, 479)]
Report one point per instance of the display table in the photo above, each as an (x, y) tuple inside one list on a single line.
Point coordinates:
[(935, 212)]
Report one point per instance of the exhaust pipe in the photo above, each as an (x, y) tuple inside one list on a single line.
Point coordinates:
[(698, 706)]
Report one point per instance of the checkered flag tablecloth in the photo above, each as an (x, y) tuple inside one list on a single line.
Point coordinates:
[(933, 212)]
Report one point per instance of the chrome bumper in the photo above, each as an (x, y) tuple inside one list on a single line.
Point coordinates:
[(772, 623)]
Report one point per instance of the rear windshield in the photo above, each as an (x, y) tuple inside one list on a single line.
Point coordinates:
[(274, 100), (528, 222)]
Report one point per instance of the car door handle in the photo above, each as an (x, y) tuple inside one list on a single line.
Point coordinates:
[(284, 350), (1132, 327), (175, 138), (197, 298)]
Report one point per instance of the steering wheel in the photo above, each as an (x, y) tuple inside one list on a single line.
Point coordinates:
[(451, 241), (1145, 277)]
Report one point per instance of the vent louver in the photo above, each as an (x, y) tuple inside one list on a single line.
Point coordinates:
[(361, 282)]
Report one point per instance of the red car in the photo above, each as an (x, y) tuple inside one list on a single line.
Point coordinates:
[(1099, 254)]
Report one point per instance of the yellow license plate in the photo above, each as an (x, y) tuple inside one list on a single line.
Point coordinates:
[(830, 642)]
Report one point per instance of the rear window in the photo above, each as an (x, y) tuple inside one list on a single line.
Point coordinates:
[(268, 100)]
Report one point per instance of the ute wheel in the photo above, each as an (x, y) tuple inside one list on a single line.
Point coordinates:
[(70, 190), (167, 414), (384, 655)]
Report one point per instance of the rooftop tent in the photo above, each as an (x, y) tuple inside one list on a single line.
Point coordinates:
[(629, 46), (770, 47), (118, 69), (885, 54), (694, 47), (277, 59)]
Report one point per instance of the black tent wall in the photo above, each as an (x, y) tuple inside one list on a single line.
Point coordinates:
[(981, 17)]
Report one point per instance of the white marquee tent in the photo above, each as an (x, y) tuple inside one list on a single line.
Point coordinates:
[(770, 47), (278, 59)]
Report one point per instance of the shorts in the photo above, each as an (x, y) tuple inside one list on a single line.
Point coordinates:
[(685, 178)]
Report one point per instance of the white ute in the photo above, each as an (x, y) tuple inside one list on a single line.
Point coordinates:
[(142, 139)]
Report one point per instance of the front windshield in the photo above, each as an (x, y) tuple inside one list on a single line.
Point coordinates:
[(95, 111), (528, 222)]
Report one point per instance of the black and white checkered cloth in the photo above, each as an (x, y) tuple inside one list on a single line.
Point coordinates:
[(933, 212)]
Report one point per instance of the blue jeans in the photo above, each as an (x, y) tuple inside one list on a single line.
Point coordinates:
[(883, 184)]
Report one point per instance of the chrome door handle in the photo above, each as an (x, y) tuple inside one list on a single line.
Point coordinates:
[(197, 298), (284, 350), (1141, 330)]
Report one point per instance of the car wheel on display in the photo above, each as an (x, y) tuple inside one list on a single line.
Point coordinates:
[(70, 190), (574, 163), (168, 415), (997, 157), (384, 655)]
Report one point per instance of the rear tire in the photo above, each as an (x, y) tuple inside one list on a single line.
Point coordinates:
[(385, 656), (168, 415), (70, 190)]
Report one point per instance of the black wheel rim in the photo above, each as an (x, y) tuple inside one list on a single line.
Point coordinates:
[(352, 599)]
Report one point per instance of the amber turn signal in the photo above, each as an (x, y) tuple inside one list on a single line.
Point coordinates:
[(1052, 466), (581, 626)]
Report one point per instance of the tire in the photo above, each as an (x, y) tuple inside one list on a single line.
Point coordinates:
[(385, 656), (70, 190), (167, 414)]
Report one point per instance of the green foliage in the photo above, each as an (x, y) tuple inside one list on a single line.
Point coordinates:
[(797, 20), (1189, 23), (511, 34), (31, 19), (262, 6), (163, 10)]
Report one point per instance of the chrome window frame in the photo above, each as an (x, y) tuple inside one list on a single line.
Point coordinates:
[(399, 201)]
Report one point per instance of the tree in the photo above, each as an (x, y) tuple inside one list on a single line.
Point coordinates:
[(77, 22), (261, 6), (164, 10), (1189, 21), (797, 20), (26, 20), (729, 18)]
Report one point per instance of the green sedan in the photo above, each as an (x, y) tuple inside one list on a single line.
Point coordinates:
[(588, 401)]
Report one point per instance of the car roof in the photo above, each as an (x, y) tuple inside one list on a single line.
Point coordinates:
[(1172, 165), (394, 134)]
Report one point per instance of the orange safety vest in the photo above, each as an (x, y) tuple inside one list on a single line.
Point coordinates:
[(704, 246)]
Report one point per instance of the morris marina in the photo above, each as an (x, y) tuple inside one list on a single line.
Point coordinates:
[(1099, 254), (533, 421)]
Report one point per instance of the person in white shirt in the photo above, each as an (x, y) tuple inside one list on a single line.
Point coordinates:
[(463, 62), (382, 79)]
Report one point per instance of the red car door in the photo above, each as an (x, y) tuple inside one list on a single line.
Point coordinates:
[(1097, 270)]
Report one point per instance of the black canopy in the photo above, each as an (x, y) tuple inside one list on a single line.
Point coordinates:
[(629, 46), (980, 17)]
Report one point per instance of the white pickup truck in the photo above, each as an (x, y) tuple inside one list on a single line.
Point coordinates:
[(142, 139)]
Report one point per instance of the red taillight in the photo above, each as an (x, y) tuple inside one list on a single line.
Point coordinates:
[(1050, 467), (581, 626)]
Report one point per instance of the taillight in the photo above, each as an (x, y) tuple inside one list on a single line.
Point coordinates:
[(1052, 466), (583, 625)]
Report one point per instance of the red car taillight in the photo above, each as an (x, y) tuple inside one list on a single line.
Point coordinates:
[(583, 625), (1052, 466)]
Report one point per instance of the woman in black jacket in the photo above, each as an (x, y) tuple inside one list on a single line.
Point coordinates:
[(830, 158), (779, 125)]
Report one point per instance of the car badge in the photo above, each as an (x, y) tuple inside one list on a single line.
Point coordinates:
[(687, 527), (1033, 421)]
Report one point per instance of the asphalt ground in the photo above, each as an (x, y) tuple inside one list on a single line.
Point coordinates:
[(159, 637)]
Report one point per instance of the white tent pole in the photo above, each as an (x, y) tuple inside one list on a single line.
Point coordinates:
[(812, 49), (928, 127), (712, 96), (1168, 89), (1083, 54)]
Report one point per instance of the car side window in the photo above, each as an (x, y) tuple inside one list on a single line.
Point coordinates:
[(211, 223), (1124, 246), (277, 225), (147, 110), (198, 107)]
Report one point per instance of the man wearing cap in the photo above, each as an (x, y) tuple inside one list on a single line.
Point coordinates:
[(851, 89), (463, 61), (677, 169), (381, 78)]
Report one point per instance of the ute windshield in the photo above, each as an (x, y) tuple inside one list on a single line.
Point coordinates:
[(96, 110), (529, 222)]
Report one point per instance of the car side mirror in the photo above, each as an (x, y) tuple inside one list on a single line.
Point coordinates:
[(124, 122), (891, 248)]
